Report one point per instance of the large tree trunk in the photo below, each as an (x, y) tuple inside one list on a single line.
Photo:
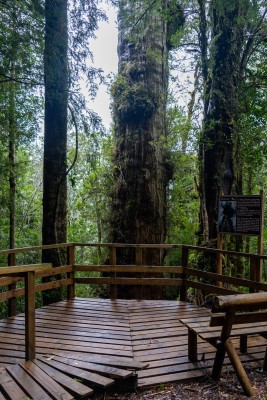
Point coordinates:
[(141, 168), (219, 148), (55, 140)]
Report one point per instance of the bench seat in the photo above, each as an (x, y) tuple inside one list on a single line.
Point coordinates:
[(207, 332), (231, 316)]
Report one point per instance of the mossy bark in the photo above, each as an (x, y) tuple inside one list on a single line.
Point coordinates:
[(220, 151), (141, 166), (219, 144)]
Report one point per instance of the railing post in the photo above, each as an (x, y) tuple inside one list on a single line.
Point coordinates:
[(70, 275), (12, 303), (258, 269), (29, 315), (260, 241), (183, 289), (113, 261), (219, 270), (252, 271), (139, 261)]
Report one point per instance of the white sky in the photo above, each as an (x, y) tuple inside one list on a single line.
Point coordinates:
[(104, 49)]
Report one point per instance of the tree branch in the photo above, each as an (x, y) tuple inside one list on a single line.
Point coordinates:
[(22, 81), (250, 44), (143, 14), (76, 141)]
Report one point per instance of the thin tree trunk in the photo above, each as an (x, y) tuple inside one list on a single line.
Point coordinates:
[(12, 179), (12, 307), (203, 44)]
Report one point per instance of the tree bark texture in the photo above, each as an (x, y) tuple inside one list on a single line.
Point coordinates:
[(54, 228), (219, 150), (141, 167)]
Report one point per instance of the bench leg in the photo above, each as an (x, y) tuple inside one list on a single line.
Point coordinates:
[(243, 343), (192, 345), (238, 367), (218, 362)]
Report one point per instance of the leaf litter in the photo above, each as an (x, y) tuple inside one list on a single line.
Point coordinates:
[(205, 389)]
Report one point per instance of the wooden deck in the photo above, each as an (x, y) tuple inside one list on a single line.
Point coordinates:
[(89, 344)]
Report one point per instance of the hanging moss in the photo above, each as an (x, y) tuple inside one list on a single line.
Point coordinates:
[(132, 102)]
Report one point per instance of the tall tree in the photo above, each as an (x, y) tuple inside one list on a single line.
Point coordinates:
[(224, 64), (55, 137), (65, 56), (141, 166), (20, 57)]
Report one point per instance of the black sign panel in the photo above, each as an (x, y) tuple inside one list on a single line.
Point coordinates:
[(240, 215)]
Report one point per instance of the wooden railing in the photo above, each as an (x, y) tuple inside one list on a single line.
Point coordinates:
[(27, 280), (28, 273), (182, 276), (186, 277)]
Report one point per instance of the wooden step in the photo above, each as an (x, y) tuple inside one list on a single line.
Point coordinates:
[(31, 387), (78, 373), (78, 389), (56, 391), (106, 370), (10, 387)]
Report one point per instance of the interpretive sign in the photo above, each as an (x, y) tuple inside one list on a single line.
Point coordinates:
[(241, 215)]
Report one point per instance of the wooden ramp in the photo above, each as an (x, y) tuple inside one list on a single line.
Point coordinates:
[(86, 345)]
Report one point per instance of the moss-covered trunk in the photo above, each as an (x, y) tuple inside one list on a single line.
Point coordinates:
[(219, 149), (141, 168)]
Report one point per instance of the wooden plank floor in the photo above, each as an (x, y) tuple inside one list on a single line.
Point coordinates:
[(87, 344)]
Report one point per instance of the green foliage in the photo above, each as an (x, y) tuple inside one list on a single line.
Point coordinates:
[(21, 39), (29, 193), (29, 197), (90, 181), (21, 75), (175, 20), (182, 196), (89, 200), (183, 205)]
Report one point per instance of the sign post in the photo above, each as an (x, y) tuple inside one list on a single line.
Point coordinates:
[(260, 238), (242, 215)]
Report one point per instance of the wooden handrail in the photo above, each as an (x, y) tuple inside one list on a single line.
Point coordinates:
[(242, 302), (187, 276), (28, 273), (130, 245), (16, 270), (129, 268)]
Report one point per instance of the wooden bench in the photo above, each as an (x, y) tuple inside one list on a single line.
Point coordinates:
[(232, 316)]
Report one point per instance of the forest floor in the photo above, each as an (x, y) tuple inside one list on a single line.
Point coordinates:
[(205, 389)]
